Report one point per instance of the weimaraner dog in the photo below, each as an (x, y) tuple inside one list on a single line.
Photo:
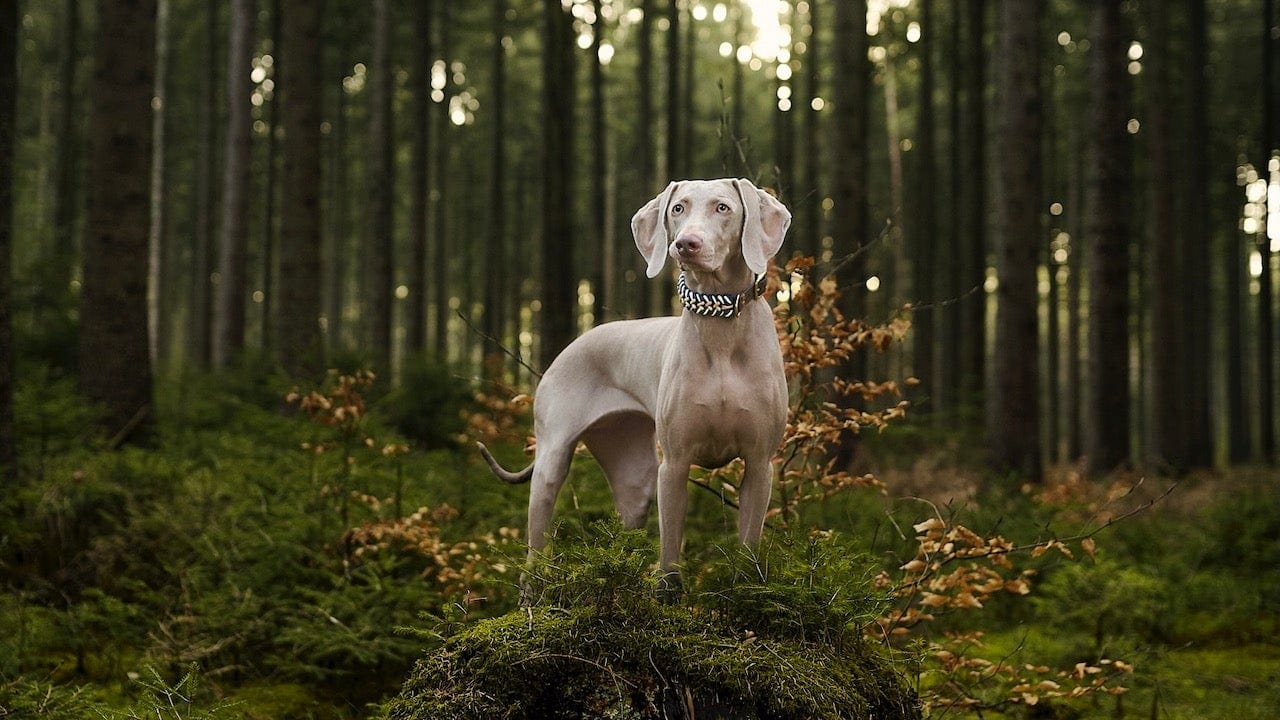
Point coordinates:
[(706, 387)]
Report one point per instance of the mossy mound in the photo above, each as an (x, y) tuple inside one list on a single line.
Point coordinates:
[(600, 645)]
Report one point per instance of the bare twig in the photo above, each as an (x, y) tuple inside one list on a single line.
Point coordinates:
[(838, 264), (509, 353)]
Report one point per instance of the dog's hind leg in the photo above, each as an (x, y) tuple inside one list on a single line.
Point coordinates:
[(627, 451), (549, 471)]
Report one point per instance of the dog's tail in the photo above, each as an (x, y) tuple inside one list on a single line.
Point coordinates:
[(515, 478)]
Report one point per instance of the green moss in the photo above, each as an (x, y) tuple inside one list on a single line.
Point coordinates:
[(600, 645)]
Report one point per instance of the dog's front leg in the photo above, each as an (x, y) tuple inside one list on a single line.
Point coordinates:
[(673, 504), (753, 499)]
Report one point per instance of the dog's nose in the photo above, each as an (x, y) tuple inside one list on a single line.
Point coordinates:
[(688, 244)]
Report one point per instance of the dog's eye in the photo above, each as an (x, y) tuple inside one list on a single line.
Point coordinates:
[(677, 209), (722, 208)]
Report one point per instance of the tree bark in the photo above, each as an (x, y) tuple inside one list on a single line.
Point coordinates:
[(1106, 423), (1266, 297), (338, 206), (852, 80), (229, 288), (495, 278), (1013, 414), (973, 324), (115, 368), (926, 222), (601, 236), (559, 301), (380, 243), (200, 326), (301, 347), (948, 390), (645, 142), (271, 117), (157, 301), (1075, 277), (1168, 446), (66, 189), (1197, 239), (808, 198), (440, 249), (675, 168), (849, 222), (8, 114), (419, 171)]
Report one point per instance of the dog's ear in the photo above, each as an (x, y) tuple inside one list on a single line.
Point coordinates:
[(649, 225), (764, 223)]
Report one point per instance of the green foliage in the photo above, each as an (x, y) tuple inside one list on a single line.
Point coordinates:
[(1112, 601), (600, 644), (50, 416), (232, 546), (815, 588), (429, 404), (163, 700), (28, 699), (284, 571)]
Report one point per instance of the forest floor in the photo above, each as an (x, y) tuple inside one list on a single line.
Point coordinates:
[(253, 564)]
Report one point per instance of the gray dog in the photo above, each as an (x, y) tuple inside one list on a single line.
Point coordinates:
[(706, 387)]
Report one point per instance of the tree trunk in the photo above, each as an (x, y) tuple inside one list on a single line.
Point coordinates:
[(739, 104), (271, 117), (301, 347), (200, 325), (675, 169), (338, 213), (1106, 423), (1168, 448), (852, 80), (1197, 239), (444, 140), (495, 278), (645, 142), (559, 301), (115, 369), (849, 222), (808, 199), (898, 283), (601, 237), (1237, 418), (66, 188), (947, 392), (1266, 297), (1075, 278), (973, 324), (926, 222), (662, 288), (380, 243), (8, 114), (419, 170), (1013, 414), (1051, 135), (157, 302), (229, 288)]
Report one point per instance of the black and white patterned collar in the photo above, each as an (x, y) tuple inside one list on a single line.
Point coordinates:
[(716, 304)]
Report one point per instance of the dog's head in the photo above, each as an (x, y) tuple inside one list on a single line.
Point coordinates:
[(704, 224)]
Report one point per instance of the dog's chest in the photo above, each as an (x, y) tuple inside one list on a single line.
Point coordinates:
[(720, 409)]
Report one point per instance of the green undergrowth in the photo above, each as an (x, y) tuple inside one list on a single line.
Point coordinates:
[(774, 635)]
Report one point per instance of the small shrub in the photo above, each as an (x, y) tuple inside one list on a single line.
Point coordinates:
[(429, 405)]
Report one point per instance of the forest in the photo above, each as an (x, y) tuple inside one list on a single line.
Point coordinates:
[(270, 268)]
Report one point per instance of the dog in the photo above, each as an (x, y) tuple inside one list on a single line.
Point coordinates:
[(705, 387)]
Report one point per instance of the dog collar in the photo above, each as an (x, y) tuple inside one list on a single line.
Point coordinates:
[(716, 304)]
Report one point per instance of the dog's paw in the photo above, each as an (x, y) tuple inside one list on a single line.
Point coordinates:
[(670, 588)]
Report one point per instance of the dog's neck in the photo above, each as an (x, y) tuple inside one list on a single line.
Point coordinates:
[(719, 305)]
